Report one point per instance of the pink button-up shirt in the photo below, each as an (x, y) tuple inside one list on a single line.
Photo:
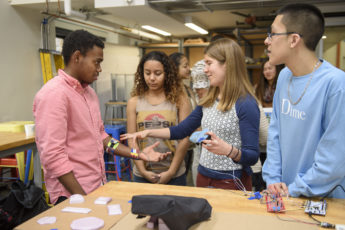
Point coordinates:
[(69, 134)]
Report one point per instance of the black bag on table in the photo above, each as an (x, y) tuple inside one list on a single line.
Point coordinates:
[(22, 203), (177, 212)]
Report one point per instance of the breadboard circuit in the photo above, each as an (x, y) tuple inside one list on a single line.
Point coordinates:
[(316, 207), (274, 203)]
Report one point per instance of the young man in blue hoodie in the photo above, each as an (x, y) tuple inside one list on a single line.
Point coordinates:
[(305, 149)]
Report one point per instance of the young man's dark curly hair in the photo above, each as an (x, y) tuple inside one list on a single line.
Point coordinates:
[(79, 40)]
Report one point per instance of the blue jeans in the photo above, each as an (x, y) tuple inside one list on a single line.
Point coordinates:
[(181, 180)]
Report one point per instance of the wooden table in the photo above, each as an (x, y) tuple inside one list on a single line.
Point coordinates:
[(229, 207), (12, 143)]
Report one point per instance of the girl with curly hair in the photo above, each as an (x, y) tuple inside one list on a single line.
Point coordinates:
[(158, 101)]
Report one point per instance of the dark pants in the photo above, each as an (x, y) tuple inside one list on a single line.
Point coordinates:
[(204, 181), (188, 159), (60, 199), (258, 183), (181, 180), (263, 156)]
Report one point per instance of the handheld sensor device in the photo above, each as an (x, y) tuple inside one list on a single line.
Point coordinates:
[(199, 136)]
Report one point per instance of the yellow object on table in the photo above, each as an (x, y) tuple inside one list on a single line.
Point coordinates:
[(17, 127), (14, 126)]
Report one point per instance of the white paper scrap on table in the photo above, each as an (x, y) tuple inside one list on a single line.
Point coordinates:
[(76, 199), (47, 220), (87, 223), (103, 200), (76, 210), (114, 209)]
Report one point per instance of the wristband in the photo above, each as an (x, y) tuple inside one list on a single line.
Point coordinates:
[(134, 154), (112, 145), (236, 155), (232, 148)]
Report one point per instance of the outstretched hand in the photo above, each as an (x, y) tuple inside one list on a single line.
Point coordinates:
[(216, 145), (149, 154), (134, 136)]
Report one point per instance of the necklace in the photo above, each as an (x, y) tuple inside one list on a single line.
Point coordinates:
[(306, 87)]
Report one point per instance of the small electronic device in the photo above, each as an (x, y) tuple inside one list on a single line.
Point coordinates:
[(199, 136), (316, 207), (274, 203)]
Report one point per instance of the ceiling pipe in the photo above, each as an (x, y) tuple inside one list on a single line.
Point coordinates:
[(69, 12), (205, 7), (125, 31), (72, 13)]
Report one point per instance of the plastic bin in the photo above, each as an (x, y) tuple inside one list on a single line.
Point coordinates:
[(120, 164)]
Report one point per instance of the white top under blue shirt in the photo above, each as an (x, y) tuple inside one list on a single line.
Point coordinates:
[(239, 126), (306, 142)]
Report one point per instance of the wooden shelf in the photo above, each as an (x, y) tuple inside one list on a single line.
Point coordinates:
[(253, 66)]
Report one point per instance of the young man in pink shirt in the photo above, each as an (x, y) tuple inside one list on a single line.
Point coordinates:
[(70, 134)]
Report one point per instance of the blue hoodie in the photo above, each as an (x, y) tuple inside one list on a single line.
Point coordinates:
[(305, 147)]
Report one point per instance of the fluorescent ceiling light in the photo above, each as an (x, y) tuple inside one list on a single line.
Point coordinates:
[(158, 31), (189, 22), (196, 28), (147, 35), (324, 37)]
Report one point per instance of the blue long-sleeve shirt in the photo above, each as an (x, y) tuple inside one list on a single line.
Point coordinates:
[(305, 146), (248, 114)]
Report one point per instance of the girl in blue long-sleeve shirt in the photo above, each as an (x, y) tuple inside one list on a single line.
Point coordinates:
[(231, 114)]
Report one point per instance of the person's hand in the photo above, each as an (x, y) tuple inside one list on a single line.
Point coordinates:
[(149, 154), (151, 176), (216, 145), (165, 177), (278, 189), (134, 136)]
